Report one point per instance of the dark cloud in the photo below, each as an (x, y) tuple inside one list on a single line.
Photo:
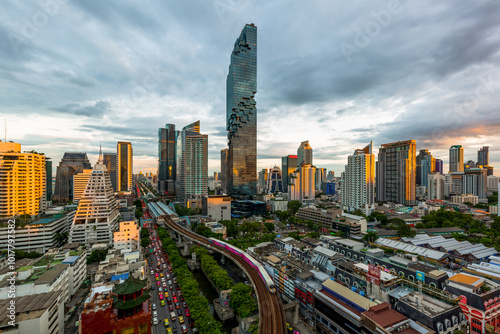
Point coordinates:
[(97, 110)]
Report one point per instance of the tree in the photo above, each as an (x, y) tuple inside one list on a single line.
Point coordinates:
[(492, 199), (242, 301), (294, 206), (97, 255), (380, 217), (269, 227), (420, 226), (370, 236), (406, 231), (145, 242)]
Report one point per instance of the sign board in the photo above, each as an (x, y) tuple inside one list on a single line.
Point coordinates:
[(420, 276), (373, 275)]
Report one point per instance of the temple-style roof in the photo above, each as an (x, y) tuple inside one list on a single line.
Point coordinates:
[(125, 305), (130, 285)]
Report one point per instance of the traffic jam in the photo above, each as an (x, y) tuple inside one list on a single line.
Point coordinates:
[(168, 305)]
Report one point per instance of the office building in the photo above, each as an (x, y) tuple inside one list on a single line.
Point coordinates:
[(223, 170), (109, 160), (330, 176), (275, 183), (288, 166), (79, 184), (192, 163), (303, 184), (439, 166), (456, 159), (241, 115), (435, 186), (167, 150), (22, 181), (395, 176), (304, 154), (97, 215), (421, 156), (428, 165), (48, 178), (483, 156), (492, 182), (72, 163), (358, 181), (263, 179), (216, 207), (320, 177), (124, 166), (474, 181)]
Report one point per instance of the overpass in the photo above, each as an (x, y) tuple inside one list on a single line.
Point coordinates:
[(271, 313)]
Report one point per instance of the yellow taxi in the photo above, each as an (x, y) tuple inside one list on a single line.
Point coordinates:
[(181, 319), (169, 330), (166, 294)]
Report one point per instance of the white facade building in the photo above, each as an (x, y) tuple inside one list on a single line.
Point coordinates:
[(128, 236), (278, 204), (216, 207), (77, 270), (358, 181), (436, 185), (492, 182)]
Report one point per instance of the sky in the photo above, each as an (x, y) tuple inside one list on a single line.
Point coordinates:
[(78, 74)]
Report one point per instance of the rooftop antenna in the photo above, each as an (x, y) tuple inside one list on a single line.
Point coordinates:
[(100, 153)]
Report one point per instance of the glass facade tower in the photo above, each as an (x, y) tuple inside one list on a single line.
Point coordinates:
[(241, 115), (167, 169)]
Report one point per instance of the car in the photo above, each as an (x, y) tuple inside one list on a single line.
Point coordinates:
[(184, 304), (158, 283), (180, 292), (165, 322), (173, 316), (157, 278), (155, 321), (164, 285), (154, 306), (181, 319), (175, 300), (152, 272), (170, 287), (166, 294), (160, 289), (169, 300), (181, 299), (170, 282), (174, 294), (163, 279), (160, 295), (290, 328), (161, 274), (178, 288), (152, 287), (179, 312), (175, 280), (169, 330), (187, 313), (177, 305), (184, 328), (155, 314), (170, 307), (162, 302), (191, 322)]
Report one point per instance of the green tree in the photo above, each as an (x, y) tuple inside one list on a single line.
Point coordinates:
[(97, 255), (242, 300), (492, 199), (420, 226), (294, 206), (370, 236), (269, 227), (406, 231), (145, 242), (380, 217)]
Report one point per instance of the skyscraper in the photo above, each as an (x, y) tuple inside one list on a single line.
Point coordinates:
[(483, 156), (80, 181), (241, 115), (48, 177), (167, 150), (263, 178), (275, 182), (320, 177), (192, 163), (428, 165), (223, 170), (97, 215), (304, 154), (22, 181), (435, 186), (109, 159), (288, 166), (439, 166), (475, 181), (421, 156), (358, 181), (456, 159), (302, 183), (71, 164), (124, 166), (395, 180)]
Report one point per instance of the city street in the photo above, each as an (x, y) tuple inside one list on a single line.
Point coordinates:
[(163, 311)]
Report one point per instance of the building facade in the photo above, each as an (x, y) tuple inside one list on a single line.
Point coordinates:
[(167, 160), (275, 183), (80, 183), (288, 166), (304, 154), (241, 115), (303, 184), (216, 207), (124, 166), (456, 159), (395, 176), (109, 160), (22, 181), (435, 189), (71, 163)]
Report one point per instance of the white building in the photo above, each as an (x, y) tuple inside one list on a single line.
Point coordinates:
[(39, 235), (492, 182), (77, 270), (436, 186), (358, 181), (35, 314), (128, 236), (216, 207), (302, 183), (463, 198), (278, 204), (97, 215)]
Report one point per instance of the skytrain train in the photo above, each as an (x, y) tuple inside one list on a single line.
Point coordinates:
[(250, 260)]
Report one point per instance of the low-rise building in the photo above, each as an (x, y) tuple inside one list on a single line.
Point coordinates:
[(216, 228), (77, 269), (278, 204), (216, 207), (127, 237), (465, 198)]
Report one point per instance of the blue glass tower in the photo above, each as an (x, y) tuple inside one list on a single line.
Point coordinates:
[(241, 115)]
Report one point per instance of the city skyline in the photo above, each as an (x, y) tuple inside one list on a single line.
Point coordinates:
[(338, 95)]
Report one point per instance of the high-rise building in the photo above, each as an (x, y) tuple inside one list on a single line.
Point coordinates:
[(223, 170), (23, 179), (288, 166), (320, 177), (72, 163), (302, 183), (192, 163), (396, 171), (109, 159), (275, 182), (456, 159), (80, 183), (492, 182), (428, 165), (262, 184), (330, 176), (124, 166), (421, 156), (167, 160), (474, 181), (483, 156), (304, 154), (358, 181), (439, 166), (436, 186), (241, 115), (97, 215)]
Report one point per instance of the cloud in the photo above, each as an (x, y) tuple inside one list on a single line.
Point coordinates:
[(97, 110)]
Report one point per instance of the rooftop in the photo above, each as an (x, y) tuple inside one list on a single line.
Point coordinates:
[(70, 259), (51, 274), (467, 279), (28, 307)]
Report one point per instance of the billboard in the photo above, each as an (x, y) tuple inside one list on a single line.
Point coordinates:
[(373, 275), (420, 276)]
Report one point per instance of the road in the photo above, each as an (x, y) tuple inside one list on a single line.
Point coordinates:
[(271, 313), (163, 311)]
